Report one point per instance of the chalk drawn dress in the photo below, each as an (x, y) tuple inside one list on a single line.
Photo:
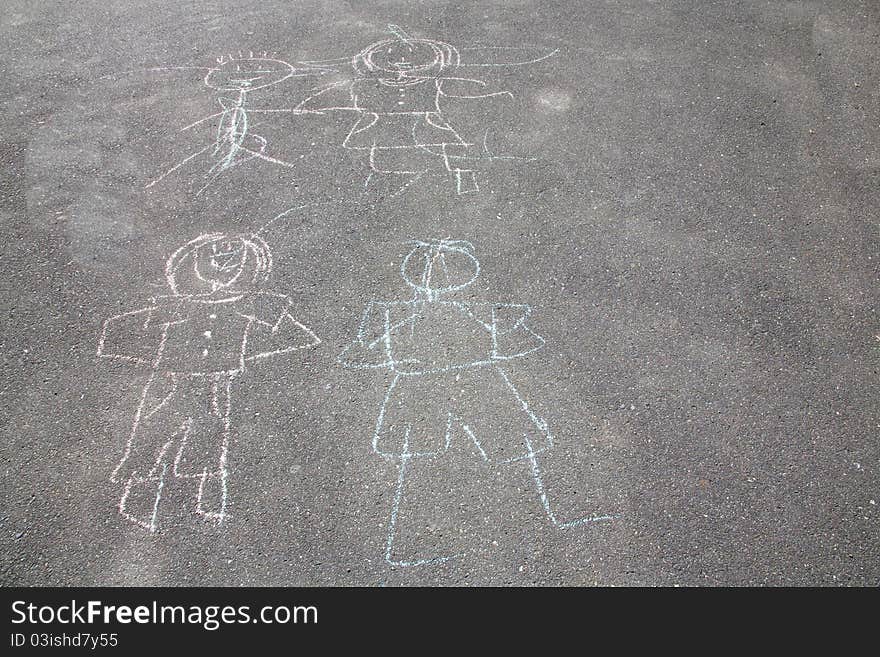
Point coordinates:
[(399, 114), (449, 390)]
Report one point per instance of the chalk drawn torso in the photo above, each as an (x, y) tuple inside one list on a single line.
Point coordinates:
[(212, 330)]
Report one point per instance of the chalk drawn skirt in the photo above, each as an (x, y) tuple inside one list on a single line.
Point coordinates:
[(401, 130), (471, 411), (182, 427)]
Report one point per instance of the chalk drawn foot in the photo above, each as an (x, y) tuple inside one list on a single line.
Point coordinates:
[(140, 500), (419, 549), (545, 500), (211, 501)]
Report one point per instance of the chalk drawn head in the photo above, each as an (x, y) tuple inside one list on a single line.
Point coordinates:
[(406, 58), (218, 261), (247, 73), (440, 266)]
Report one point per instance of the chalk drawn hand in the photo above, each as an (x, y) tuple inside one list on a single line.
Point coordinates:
[(465, 88), (286, 336), (511, 337), (368, 351)]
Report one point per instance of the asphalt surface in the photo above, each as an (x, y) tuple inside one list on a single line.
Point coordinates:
[(693, 222)]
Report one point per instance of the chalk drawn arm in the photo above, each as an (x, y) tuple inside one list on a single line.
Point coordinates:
[(370, 349), (464, 88), (273, 329), (127, 337), (286, 336), (329, 98), (511, 337), (291, 110), (503, 56)]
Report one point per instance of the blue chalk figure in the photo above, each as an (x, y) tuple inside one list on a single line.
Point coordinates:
[(449, 387), (196, 342)]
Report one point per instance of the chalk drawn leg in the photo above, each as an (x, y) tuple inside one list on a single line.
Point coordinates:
[(545, 501), (235, 154), (538, 429), (155, 422), (212, 495), (142, 491), (140, 500), (202, 454), (177, 166), (181, 432), (441, 475), (431, 518)]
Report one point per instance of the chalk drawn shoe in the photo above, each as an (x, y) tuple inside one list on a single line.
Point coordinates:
[(211, 500), (140, 501)]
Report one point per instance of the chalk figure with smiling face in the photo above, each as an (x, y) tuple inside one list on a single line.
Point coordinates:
[(234, 78), (398, 94), (449, 396), (196, 342)]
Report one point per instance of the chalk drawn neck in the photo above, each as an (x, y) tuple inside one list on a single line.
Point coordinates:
[(423, 297)]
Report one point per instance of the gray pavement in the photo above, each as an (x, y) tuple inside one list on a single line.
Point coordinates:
[(684, 195)]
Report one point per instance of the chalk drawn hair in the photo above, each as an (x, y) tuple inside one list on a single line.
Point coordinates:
[(248, 260), (437, 266), (248, 71), (445, 56)]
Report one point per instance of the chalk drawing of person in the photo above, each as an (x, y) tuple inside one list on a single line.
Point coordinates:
[(196, 342), (449, 386), (398, 94), (235, 143)]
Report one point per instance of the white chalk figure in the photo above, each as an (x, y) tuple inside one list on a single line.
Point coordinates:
[(398, 94), (235, 143), (449, 388), (196, 342)]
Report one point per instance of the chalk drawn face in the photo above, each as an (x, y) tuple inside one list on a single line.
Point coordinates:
[(216, 262), (434, 268), (406, 58), (248, 74), (220, 263), (402, 57)]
